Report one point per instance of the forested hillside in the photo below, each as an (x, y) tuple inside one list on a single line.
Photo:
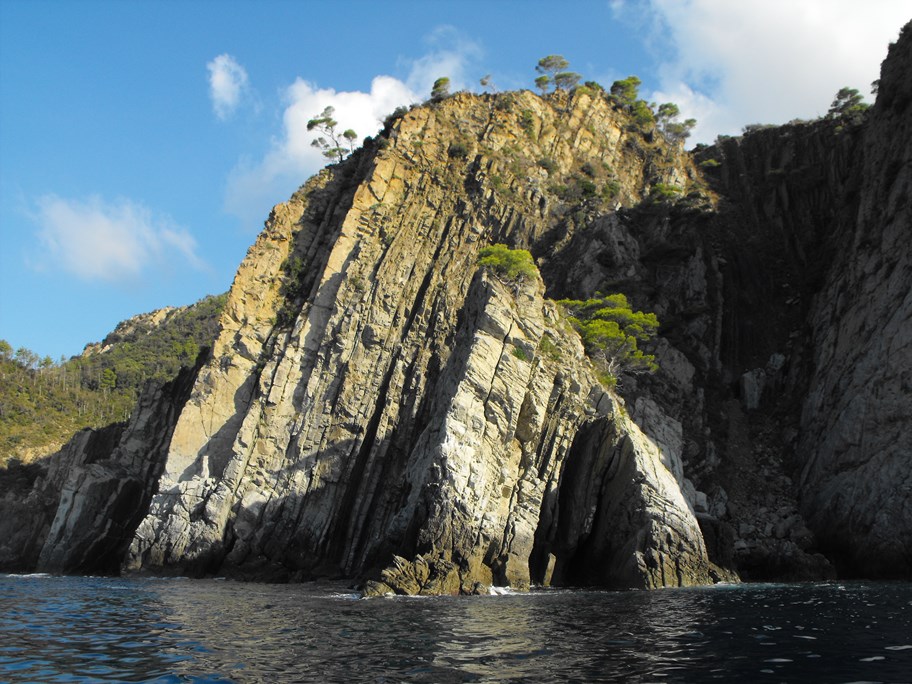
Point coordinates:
[(43, 402)]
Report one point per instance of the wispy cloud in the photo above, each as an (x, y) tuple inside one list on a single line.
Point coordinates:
[(228, 83), (254, 186), (729, 64), (450, 53), (108, 241)]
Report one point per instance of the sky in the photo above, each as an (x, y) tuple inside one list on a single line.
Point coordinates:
[(143, 143)]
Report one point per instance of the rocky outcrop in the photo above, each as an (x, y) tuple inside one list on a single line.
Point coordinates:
[(377, 406), (374, 396), (85, 501)]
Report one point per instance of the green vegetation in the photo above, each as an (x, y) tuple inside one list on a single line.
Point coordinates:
[(673, 130), (458, 150), (333, 148), (565, 80), (848, 107), (626, 91), (553, 70), (527, 122), (440, 89), (42, 402), (750, 128), (514, 265), (548, 164), (521, 354), (547, 347), (662, 192), (611, 333)]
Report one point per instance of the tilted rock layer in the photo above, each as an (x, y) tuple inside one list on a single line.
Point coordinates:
[(377, 406), (373, 394)]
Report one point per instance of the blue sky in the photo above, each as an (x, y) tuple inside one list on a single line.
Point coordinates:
[(142, 144)]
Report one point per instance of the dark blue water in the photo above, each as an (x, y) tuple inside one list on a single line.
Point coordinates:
[(66, 629)]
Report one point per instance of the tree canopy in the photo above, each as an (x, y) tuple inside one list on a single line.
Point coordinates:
[(673, 130), (552, 65), (514, 265), (612, 332), (626, 91), (553, 70), (440, 89), (848, 106), (42, 402), (333, 147)]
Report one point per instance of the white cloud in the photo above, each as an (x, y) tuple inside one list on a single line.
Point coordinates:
[(451, 54), (255, 186), (96, 240), (227, 85), (729, 64)]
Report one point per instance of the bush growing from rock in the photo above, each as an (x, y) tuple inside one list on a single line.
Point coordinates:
[(611, 332), (514, 265)]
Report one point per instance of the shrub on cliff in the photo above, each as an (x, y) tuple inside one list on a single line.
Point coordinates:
[(513, 265), (441, 89), (612, 332), (848, 107)]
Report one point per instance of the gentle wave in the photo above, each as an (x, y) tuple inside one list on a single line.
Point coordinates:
[(145, 629)]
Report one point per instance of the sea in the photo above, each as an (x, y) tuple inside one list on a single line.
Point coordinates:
[(97, 629)]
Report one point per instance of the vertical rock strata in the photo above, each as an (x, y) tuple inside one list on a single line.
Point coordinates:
[(856, 436), (373, 397)]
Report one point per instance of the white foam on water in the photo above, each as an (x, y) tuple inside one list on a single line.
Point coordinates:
[(904, 647), (871, 659), (503, 591), (804, 636), (778, 660)]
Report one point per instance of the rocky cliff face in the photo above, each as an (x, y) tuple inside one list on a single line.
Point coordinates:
[(374, 396), (377, 406), (77, 512), (856, 441)]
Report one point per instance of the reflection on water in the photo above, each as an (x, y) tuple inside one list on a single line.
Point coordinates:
[(100, 629)]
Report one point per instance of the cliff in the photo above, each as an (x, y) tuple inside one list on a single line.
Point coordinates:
[(377, 406), (856, 441), (373, 396)]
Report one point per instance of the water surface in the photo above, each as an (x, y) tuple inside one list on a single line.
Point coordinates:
[(70, 629)]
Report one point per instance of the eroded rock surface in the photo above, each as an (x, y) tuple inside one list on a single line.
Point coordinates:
[(388, 399), (379, 407)]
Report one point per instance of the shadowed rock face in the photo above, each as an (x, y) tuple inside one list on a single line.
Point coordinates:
[(856, 434), (376, 406), (81, 513)]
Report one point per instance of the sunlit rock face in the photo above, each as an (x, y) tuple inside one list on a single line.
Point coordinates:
[(379, 407), (373, 395)]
